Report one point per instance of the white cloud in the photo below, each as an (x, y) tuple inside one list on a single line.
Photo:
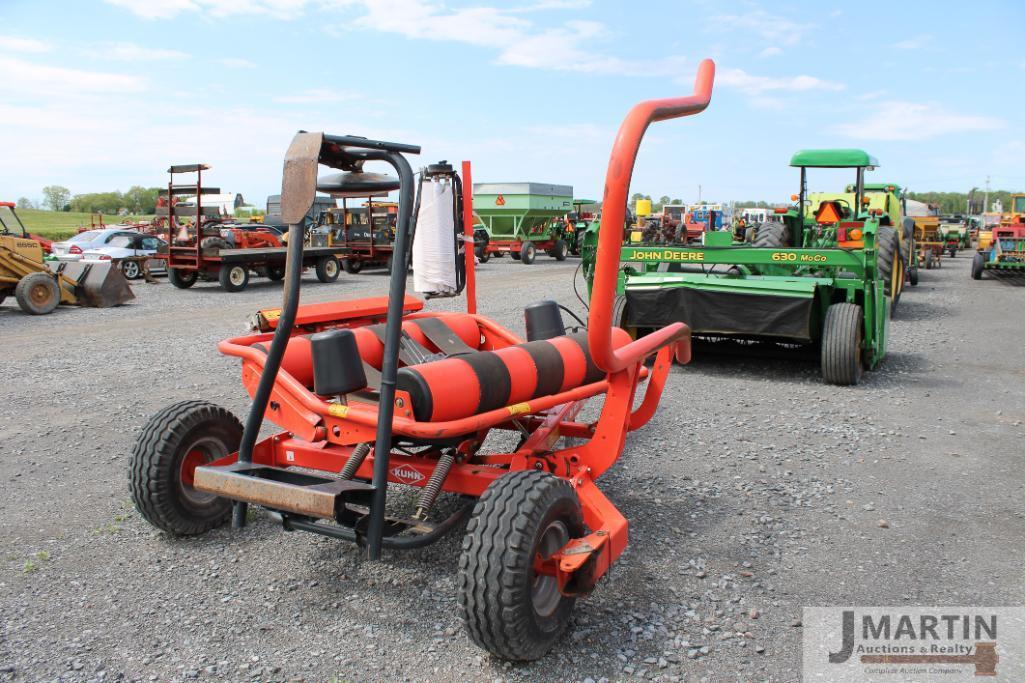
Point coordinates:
[(31, 79), (756, 85), (21, 44), (915, 43), (770, 51), (130, 52), (165, 9), (518, 40), (236, 63), (155, 9), (871, 95), (770, 27), (914, 121), (317, 96)]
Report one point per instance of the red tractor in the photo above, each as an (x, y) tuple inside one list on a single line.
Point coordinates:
[(372, 394)]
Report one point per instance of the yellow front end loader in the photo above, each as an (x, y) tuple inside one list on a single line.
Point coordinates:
[(39, 290)]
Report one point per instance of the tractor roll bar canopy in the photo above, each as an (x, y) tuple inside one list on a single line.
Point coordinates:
[(610, 231)]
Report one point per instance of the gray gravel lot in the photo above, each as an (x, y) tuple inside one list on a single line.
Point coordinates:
[(755, 490)]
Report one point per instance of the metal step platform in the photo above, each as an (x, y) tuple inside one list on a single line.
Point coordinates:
[(287, 490)]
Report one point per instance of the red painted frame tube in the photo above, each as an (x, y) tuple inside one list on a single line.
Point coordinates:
[(610, 233), (469, 248)]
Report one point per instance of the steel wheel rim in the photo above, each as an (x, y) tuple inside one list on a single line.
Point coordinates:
[(237, 276), (202, 451), (544, 590), (39, 294), (331, 268), (130, 268)]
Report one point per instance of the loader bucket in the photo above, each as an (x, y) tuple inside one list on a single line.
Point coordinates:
[(98, 284)]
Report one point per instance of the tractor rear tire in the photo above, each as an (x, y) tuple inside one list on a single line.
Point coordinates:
[(978, 265), (889, 263), (38, 293), (328, 269), (772, 235), (527, 253), (560, 251), (352, 266), (275, 273), (233, 277), (508, 609), (841, 344), (171, 445), (182, 279), (215, 243)]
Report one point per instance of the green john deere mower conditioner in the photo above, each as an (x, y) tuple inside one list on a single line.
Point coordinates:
[(825, 276)]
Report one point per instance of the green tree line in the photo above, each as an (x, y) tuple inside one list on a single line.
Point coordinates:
[(136, 200)]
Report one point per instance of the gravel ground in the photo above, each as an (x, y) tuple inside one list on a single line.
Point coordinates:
[(755, 490)]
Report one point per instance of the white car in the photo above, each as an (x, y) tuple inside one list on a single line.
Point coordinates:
[(72, 248), (129, 244)]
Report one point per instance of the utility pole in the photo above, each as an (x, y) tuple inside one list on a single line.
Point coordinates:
[(699, 194), (985, 201)]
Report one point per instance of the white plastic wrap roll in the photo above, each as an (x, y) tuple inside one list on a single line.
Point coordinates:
[(434, 258)]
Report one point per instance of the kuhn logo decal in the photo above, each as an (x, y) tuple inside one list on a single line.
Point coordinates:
[(406, 474)]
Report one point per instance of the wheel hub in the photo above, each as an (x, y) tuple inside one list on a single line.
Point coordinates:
[(544, 591), (237, 275)]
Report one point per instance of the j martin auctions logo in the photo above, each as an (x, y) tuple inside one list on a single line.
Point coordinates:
[(929, 638), (913, 644)]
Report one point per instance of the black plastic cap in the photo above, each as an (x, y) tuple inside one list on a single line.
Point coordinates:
[(544, 321), (337, 365)]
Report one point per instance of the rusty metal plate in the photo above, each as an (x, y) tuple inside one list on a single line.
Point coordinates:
[(299, 178), (279, 488)]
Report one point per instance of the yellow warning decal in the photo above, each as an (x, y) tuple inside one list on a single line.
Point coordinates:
[(519, 408), (338, 410)]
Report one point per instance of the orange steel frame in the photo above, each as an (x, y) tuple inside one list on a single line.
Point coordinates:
[(320, 435)]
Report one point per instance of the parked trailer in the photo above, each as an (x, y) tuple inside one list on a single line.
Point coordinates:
[(197, 251), (522, 218)]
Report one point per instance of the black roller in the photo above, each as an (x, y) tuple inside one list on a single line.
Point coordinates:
[(544, 321), (337, 366)]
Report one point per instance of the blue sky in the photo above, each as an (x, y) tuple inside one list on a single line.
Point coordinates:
[(105, 94)]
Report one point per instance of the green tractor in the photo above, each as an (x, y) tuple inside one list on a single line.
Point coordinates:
[(825, 276)]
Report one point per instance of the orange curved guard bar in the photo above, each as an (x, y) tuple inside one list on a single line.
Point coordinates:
[(610, 231)]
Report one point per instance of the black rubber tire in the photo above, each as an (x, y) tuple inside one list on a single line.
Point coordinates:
[(131, 270), (515, 255), (155, 469), (182, 279), (498, 254), (275, 273), (913, 276), (481, 252), (212, 243), (328, 269), (952, 252), (841, 344), (38, 293), (929, 260), (496, 575), (887, 254), (771, 235), (560, 251), (352, 266), (978, 265), (234, 277), (527, 253)]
